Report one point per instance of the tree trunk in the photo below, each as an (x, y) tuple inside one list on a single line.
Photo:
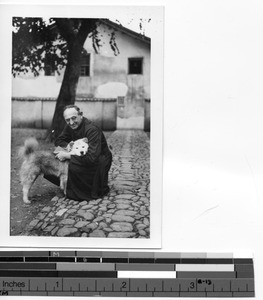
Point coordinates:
[(67, 92), (75, 40)]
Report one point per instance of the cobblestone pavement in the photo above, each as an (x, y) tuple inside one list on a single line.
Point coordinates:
[(123, 213)]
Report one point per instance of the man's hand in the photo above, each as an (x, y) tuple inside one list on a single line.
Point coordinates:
[(62, 155)]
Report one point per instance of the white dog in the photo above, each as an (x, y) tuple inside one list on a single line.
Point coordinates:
[(36, 162), (79, 147)]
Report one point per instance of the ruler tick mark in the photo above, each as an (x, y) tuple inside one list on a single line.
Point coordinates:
[(180, 286)]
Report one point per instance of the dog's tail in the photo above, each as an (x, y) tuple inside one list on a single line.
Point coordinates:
[(30, 146)]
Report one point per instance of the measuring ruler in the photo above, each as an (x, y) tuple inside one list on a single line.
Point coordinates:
[(125, 274)]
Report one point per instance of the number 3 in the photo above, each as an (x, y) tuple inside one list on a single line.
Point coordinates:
[(192, 285)]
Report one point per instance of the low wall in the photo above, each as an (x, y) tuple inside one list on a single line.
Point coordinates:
[(38, 112), (147, 115)]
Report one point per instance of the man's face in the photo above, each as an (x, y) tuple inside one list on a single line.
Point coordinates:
[(72, 117)]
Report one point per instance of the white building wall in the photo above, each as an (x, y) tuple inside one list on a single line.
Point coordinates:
[(109, 73), (108, 78)]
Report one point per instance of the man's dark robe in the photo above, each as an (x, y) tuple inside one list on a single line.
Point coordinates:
[(88, 174)]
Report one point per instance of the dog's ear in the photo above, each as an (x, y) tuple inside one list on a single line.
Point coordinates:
[(85, 140), (70, 145)]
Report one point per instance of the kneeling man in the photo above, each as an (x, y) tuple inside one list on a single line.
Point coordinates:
[(88, 174)]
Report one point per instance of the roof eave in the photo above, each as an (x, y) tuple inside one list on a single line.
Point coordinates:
[(129, 32)]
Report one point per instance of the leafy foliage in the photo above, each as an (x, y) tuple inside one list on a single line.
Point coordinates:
[(39, 42), (36, 42), (113, 44)]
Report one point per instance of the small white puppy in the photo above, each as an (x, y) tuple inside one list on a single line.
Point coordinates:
[(79, 147)]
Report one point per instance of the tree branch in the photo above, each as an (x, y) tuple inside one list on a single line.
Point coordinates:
[(86, 27), (66, 28)]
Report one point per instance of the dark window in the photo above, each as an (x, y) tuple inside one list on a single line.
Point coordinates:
[(49, 71), (135, 65), (85, 65)]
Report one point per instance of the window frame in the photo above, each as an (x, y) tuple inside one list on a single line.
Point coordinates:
[(132, 59), (49, 71), (86, 65)]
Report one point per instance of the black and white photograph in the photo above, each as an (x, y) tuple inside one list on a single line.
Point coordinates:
[(81, 134), (136, 126)]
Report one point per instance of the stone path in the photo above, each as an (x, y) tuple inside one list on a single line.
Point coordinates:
[(123, 213)]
